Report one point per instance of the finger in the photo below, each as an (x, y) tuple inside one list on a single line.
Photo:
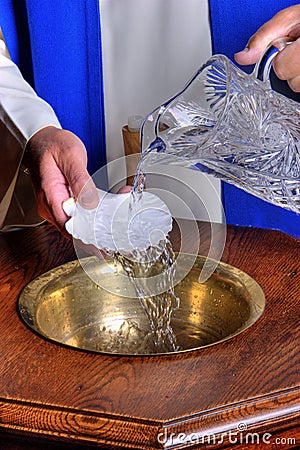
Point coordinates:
[(88, 196), (248, 56), (282, 24), (50, 204), (124, 190), (294, 83), (51, 215), (51, 191), (287, 64), (80, 183)]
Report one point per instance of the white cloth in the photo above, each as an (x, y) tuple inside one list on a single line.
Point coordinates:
[(119, 223)]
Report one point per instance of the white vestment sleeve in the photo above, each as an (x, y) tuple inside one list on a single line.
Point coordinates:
[(21, 110)]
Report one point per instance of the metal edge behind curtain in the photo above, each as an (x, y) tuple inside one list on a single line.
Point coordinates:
[(65, 41), (232, 24)]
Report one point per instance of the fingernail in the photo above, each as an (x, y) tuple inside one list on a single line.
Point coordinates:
[(247, 56), (242, 52), (88, 199), (69, 206)]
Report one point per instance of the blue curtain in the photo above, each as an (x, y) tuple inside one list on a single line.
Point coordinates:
[(57, 45), (232, 24)]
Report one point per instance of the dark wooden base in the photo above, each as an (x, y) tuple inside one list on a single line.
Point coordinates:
[(249, 384)]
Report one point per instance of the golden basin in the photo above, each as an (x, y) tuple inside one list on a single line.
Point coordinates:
[(66, 306)]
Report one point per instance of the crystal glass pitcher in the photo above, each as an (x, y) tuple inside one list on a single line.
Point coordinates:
[(234, 126)]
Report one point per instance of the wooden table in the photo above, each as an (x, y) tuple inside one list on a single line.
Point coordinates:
[(51, 393)]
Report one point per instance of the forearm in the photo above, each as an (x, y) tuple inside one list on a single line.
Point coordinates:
[(21, 110)]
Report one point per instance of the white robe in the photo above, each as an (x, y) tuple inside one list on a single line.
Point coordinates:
[(22, 114)]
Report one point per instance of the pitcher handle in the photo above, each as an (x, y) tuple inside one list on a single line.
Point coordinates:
[(263, 66)]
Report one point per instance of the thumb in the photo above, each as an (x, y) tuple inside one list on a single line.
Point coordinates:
[(269, 33), (80, 183), (88, 195), (255, 47), (249, 55)]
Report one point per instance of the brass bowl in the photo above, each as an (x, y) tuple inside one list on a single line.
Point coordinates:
[(66, 306)]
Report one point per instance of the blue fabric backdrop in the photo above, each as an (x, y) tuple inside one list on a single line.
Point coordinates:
[(232, 24), (57, 45)]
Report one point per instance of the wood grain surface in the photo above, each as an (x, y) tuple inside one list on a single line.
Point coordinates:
[(51, 393)]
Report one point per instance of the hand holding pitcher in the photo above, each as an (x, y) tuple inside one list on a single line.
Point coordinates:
[(286, 64)]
